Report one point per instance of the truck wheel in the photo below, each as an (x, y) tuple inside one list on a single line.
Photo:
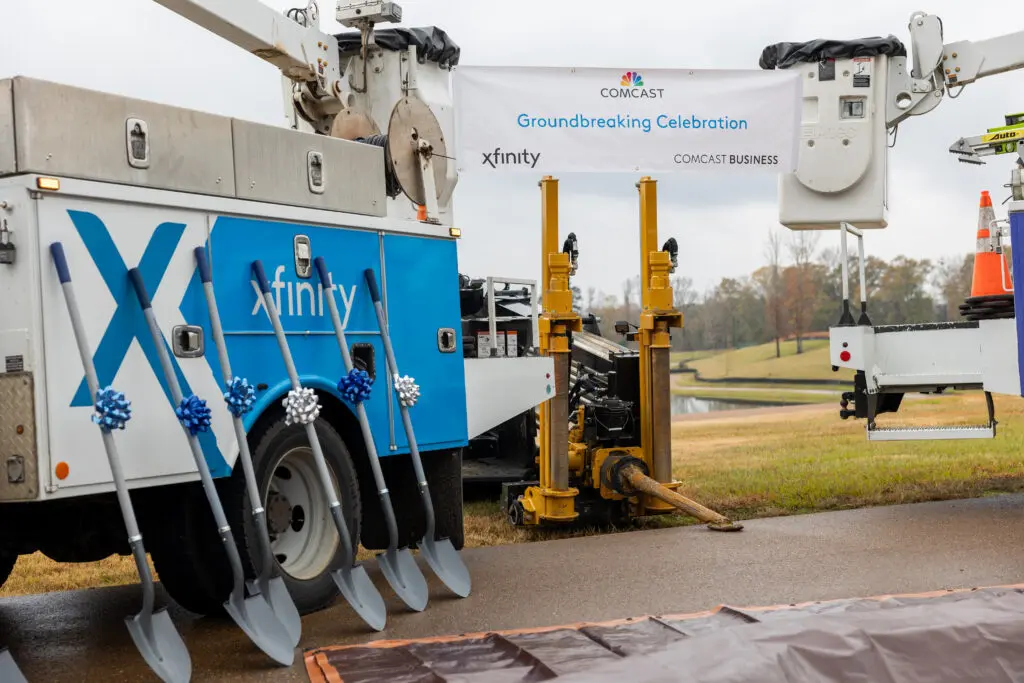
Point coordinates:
[(443, 470), (7, 562), (304, 540), (188, 554), (444, 475)]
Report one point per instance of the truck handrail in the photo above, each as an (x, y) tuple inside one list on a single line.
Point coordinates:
[(492, 315)]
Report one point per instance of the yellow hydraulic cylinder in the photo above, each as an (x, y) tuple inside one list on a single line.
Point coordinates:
[(657, 317), (553, 500)]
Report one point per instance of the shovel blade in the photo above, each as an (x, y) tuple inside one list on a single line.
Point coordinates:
[(444, 560), (164, 652), (281, 604), (356, 587), (405, 577), (9, 670), (254, 616)]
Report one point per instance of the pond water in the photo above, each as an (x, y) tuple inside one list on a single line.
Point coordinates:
[(685, 405)]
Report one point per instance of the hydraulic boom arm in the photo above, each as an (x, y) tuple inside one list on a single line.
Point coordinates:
[(300, 50), (936, 66), (307, 58)]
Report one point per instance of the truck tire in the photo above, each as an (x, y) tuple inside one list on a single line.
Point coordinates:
[(7, 562), (444, 475), (304, 540), (443, 470), (188, 556), (187, 552)]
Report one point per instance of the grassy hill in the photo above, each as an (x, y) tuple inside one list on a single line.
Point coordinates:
[(760, 362)]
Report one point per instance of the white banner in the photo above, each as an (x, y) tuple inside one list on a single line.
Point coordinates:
[(551, 120)]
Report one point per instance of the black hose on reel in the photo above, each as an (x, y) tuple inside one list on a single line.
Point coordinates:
[(392, 187)]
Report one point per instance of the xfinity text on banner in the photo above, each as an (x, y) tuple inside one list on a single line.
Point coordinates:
[(547, 120)]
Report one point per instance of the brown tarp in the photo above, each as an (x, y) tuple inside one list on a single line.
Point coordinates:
[(975, 635)]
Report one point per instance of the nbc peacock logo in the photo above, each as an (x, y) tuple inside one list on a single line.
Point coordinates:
[(632, 79), (631, 86)]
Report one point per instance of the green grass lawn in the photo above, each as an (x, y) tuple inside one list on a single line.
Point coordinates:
[(760, 362), (676, 356), (775, 463), (787, 394), (781, 464), (767, 466)]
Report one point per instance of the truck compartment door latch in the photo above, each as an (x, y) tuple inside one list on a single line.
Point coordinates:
[(188, 341), (303, 256), (7, 250)]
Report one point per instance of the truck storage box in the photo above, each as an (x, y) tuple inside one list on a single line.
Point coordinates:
[(60, 130), (302, 169)]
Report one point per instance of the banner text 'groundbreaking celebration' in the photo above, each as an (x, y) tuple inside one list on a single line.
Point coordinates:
[(548, 120)]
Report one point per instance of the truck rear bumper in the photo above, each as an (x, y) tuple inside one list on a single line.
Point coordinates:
[(932, 356)]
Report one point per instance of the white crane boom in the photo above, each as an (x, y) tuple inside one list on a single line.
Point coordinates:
[(936, 66), (308, 58), (302, 53)]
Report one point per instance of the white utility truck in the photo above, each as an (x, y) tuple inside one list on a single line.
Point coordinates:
[(127, 191), (856, 93)]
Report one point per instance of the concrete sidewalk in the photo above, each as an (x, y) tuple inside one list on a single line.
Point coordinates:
[(79, 636)]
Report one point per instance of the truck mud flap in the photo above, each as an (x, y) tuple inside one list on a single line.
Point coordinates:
[(967, 635)]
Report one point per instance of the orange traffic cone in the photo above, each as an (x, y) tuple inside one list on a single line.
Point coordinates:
[(421, 212), (991, 273), (992, 286)]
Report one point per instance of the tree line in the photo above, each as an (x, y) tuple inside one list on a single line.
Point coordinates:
[(795, 293)]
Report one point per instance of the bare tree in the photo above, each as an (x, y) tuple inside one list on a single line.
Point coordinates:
[(629, 286), (953, 277), (772, 289), (802, 285), (683, 292)]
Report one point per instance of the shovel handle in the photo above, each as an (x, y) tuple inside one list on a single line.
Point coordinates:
[(321, 271), (140, 288), (261, 277), (60, 262), (371, 284), (204, 265)]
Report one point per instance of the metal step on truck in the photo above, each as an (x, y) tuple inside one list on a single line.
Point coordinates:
[(337, 227)]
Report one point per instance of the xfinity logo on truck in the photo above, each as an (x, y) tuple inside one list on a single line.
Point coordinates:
[(302, 297), (632, 87)]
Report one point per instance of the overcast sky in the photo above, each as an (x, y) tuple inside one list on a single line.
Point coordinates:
[(138, 48)]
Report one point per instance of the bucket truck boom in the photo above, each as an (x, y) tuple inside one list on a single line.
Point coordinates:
[(855, 94), (307, 58)]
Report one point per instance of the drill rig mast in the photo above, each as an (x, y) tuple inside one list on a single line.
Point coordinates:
[(606, 445)]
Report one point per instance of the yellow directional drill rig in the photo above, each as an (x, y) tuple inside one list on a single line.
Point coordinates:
[(605, 434)]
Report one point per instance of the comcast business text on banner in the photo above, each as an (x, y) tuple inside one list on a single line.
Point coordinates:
[(552, 120)]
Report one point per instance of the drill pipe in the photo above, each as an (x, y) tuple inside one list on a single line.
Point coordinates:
[(635, 481)]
